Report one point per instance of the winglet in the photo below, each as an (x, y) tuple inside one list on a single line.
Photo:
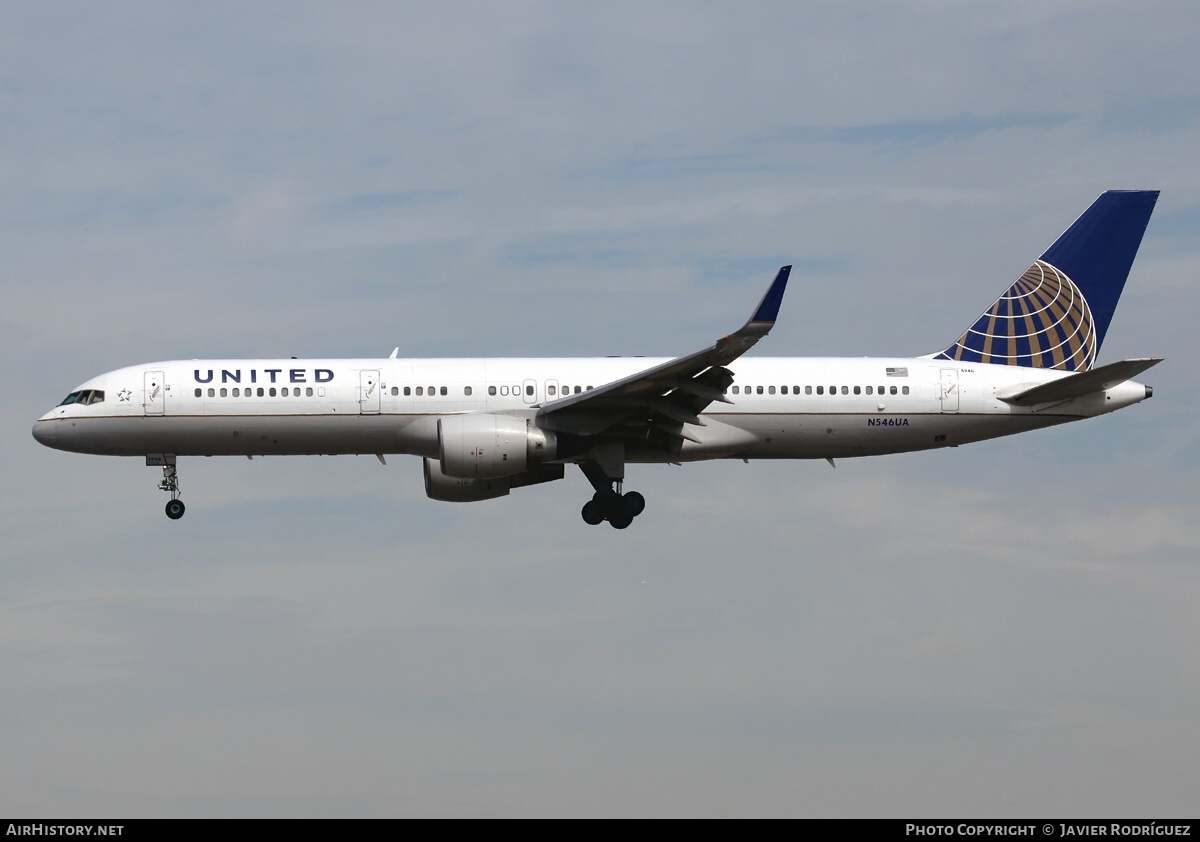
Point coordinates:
[(768, 308)]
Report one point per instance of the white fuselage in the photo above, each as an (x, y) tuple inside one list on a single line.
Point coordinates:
[(780, 408)]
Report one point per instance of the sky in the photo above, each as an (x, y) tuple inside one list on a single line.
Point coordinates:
[(1007, 629)]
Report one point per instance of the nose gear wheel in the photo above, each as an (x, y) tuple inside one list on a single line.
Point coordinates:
[(170, 484)]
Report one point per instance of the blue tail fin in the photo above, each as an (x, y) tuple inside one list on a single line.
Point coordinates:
[(1057, 313)]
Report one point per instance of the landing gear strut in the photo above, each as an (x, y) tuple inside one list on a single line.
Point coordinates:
[(608, 503), (170, 483)]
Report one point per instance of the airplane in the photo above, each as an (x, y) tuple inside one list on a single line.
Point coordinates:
[(484, 427)]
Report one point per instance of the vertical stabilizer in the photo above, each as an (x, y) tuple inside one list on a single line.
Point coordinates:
[(1057, 314)]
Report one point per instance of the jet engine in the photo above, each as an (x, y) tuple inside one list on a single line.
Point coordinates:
[(480, 446)]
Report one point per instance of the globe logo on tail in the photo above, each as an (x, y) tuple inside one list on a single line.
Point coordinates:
[(1043, 321)]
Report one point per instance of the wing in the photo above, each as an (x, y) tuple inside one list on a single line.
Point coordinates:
[(657, 402)]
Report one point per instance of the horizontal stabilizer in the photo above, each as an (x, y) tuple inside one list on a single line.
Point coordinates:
[(1078, 385)]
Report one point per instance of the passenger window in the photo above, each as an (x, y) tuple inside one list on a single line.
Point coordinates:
[(808, 390), (551, 390), (443, 390), (492, 391), (893, 390), (467, 391), (272, 391), (198, 393), (212, 393), (578, 390), (407, 391), (868, 390), (845, 390), (308, 392), (260, 391), (758, 389), (858, 390), (904, 389), (504, 391), (770, 390), (395, 391), (420, 391), (529, 391), (820, 390), (224, 392)]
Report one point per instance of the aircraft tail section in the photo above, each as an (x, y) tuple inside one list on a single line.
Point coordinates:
[(1057, 314)]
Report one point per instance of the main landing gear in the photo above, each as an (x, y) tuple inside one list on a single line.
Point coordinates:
[(608, 503), (170, 483), (617, 508)]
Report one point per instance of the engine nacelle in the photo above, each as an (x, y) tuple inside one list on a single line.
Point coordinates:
[(482, 446), (438, 486)]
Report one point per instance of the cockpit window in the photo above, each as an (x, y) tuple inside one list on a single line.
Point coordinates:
[(86, 397)]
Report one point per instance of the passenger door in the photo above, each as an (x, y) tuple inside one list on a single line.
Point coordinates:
[(368, 392), (949, 388), (154, 400)]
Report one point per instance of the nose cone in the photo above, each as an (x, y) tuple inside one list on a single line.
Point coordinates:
[(45, 431)]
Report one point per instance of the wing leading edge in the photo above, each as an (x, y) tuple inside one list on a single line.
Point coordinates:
[(670, 395)]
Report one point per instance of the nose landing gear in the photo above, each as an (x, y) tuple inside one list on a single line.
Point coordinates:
[(170, 482)]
